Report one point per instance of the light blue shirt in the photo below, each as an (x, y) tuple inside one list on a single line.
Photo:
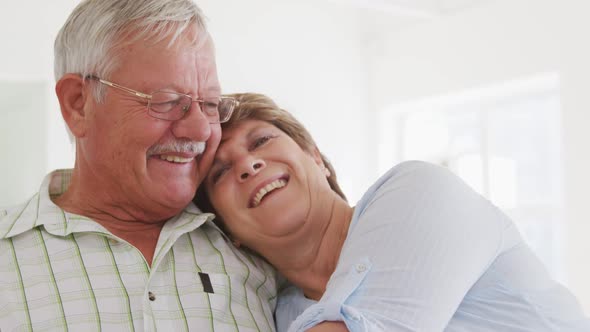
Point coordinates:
[(424, 252)]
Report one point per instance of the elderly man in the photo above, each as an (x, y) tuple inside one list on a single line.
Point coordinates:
[(115, 244)]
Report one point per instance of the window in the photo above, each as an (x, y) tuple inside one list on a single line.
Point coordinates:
[(504, 141)]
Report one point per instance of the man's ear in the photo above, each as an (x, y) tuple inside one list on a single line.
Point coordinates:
[(72, 100)]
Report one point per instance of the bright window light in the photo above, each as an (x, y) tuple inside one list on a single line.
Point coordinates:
[(504, 141)]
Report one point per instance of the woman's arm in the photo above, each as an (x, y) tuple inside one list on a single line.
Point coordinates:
[(329, 327), (422, 239), (429, 238)]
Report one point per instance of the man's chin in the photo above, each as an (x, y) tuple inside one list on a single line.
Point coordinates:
[(180, 197), (173, 192)]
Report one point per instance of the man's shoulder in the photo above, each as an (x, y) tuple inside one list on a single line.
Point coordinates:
[(15, 216), (3, 219), (9, 212)]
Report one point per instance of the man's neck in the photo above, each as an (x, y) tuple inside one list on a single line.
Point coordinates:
[(116, 217)]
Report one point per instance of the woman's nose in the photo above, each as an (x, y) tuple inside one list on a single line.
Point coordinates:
[(251, 168)]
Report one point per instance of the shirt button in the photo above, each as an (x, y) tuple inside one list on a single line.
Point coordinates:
[(151, 296), (360, 268)]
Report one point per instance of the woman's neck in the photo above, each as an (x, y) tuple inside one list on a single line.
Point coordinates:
[(317, 250)]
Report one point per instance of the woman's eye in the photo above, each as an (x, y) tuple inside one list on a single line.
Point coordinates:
[(261, 141), (217, 174)]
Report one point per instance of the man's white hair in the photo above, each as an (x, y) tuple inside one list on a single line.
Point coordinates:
[(88, 42)]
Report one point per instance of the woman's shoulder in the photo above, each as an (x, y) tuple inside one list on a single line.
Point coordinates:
[(429, 194), (409, 176), (418, 171)]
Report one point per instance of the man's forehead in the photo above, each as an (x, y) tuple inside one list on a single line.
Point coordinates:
[(194, 42), (192, 39), (209, 90), (201, 39)]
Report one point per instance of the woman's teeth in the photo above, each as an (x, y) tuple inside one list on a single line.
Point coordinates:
[(267, 189)]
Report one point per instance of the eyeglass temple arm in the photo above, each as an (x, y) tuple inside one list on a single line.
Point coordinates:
[(120, 87)]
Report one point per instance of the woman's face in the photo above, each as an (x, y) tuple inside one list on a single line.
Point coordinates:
[(262, 184)]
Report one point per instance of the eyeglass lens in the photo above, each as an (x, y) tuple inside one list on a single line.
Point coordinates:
[(173, 106)]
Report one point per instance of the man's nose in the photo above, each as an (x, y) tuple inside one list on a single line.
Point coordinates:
[(194, 125)]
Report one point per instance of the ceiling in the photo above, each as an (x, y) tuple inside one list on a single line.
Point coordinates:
[(413, 9)]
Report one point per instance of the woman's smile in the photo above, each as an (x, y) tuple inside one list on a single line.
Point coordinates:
[(265, 189)]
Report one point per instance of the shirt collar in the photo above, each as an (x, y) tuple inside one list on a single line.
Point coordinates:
[(40, 210)]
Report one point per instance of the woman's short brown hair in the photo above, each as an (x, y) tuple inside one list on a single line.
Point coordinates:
[(255, 106)]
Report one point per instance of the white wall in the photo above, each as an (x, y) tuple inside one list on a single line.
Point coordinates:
[(33, 139), (502, 41), (308, 56), (305, 54)]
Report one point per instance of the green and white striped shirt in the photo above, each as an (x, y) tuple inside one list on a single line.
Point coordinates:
[(60, 271)]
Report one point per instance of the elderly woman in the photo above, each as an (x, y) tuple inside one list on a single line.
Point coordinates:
[(420, 251)]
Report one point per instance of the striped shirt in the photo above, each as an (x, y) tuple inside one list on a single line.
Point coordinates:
[(61, 271)]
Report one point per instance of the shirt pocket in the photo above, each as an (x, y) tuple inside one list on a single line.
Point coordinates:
[(234, 302), (219, 291)]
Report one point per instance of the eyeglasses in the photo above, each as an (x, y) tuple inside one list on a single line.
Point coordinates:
[(171, 106)]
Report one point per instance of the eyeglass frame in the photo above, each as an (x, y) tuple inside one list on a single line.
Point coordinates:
[(149, 97)]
